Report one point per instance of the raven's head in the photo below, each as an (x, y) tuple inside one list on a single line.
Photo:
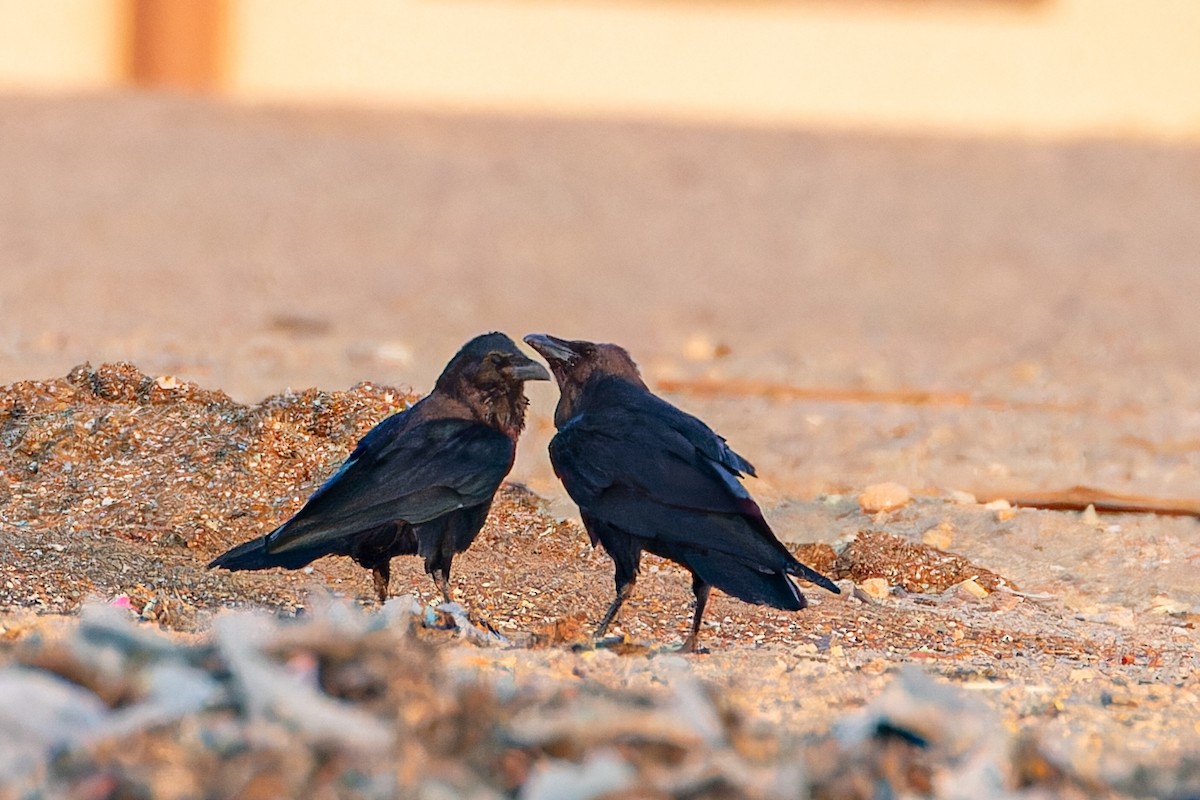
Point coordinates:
[(489, 375), (575, 363)]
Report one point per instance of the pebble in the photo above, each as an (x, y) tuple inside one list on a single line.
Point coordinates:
[(1003, 508), (1162, 604), (883, 497), (876, 588), (700, 348), (394, 352), (939, 536), (968, 589), (1081, 675)]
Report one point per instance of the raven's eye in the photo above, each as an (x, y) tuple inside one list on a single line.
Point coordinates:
[(496, 359)]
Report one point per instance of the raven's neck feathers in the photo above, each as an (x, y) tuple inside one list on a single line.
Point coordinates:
[(573, 397), (501, 407)]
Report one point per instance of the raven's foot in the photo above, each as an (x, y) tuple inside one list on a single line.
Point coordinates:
[(690, 645)]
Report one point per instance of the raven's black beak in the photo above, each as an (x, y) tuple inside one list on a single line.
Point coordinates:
[(551, 348), (524, 368)]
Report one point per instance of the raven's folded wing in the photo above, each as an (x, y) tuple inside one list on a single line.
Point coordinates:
[(401, 471), (644, 474), (648, 480), (644, 443)]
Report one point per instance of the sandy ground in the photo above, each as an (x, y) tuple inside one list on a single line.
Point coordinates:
[(117, 488), (259, 249), (1041, 296)]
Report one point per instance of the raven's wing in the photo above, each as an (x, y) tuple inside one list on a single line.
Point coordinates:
[(629, 437), (646, 477), (636, 463), (648, 481), (401, 471)]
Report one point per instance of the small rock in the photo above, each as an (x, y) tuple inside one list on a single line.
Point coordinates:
[(883, 497), (876, 666), (1082, 675), (876, 588), (962, 498), (939, 536), (1089, 516), (1003, 508), (699, 348), (394, 352), (1162, 604), (968, 589)]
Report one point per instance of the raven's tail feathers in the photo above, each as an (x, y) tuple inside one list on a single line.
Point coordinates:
[(248, 555), (254, 555), (747, 581), (812, 576)]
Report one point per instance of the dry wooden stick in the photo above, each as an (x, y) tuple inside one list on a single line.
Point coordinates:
[(742, 387), (1078, 498)]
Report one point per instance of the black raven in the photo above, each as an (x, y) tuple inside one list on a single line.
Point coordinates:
[(421, 481), (647, 476)]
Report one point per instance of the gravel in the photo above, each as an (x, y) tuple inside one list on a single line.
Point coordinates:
[(955, 680)]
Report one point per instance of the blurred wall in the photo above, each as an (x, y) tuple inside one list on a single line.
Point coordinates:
[(62, 44), (1032, 67)]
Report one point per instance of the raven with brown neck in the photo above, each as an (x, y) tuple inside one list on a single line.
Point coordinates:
[(649, 477), (420, 482)]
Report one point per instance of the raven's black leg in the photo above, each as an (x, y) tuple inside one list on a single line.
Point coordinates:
[(626, 553), (381, 574), (437, 545), (442, 579), (623, 593), (700, 589)]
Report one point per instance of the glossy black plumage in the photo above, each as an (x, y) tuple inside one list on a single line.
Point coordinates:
[(420, 482), (650, 477)]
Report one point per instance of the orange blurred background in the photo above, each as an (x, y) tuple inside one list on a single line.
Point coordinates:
[(1055, 68)]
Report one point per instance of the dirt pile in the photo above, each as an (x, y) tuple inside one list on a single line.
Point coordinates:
[(120, 486)]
